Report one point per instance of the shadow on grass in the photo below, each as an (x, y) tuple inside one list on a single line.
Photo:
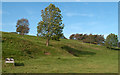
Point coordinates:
[(114, 48), (76, 52), (19, 64)]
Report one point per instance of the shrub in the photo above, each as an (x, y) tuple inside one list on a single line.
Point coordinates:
[(111, 41)]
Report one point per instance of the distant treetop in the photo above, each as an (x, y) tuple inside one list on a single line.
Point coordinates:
[(22, 26)]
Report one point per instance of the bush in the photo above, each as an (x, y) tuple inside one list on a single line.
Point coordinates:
[(111, 41)]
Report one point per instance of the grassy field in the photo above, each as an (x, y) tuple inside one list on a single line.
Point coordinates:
[(65, 56)]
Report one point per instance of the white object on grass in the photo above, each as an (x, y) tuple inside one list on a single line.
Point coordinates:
[(9, 60)]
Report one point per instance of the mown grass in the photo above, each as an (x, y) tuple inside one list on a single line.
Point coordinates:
[(65, 56)]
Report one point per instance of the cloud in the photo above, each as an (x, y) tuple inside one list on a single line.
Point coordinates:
[(94, 27), (78, 14), (80, 27), (76, 26), (85, 23), (77, 0), (31, 12)]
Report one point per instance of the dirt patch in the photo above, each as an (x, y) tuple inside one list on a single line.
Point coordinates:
[(46, 53)]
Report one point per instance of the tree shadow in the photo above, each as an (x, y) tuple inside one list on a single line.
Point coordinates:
[(77, 52), (19, 64), (115, 48)]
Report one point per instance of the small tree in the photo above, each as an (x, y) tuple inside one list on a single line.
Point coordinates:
[(111, 41), (119, 44), (51, 25), (72, 36), (22, 26)]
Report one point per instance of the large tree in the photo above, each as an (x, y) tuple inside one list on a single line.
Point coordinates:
[(111, 41), (22, 26), (51, 25)]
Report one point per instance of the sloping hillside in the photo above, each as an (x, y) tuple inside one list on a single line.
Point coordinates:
[(19, 46), (63, 56)]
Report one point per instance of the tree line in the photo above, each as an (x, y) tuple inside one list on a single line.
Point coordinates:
[(94, 39), (110, 41)]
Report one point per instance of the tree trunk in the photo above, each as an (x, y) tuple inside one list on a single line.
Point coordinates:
[(21, 33), (47, 42)]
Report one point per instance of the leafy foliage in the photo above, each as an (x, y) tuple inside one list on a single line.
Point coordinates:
[(63, 37), (94, 39), (118, 44), (72, 36), (111, 40), (51, 25), (22, 26)]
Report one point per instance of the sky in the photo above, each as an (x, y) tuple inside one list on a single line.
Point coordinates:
[(60, 0), (78, 17)]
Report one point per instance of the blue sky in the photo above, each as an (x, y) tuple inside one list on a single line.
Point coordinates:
[(78, 17)]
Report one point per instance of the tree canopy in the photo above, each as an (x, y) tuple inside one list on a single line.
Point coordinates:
[(22, 26), (111, 41), (51, 25), (94, 39)]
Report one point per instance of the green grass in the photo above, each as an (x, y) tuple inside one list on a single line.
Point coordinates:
[(66, 56)]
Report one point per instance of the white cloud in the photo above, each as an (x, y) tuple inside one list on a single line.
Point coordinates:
[(92, 23), (85, 23), (86, 28), (79, 27), (76, 26), (77, 0), (78, 14), (31, 12)]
